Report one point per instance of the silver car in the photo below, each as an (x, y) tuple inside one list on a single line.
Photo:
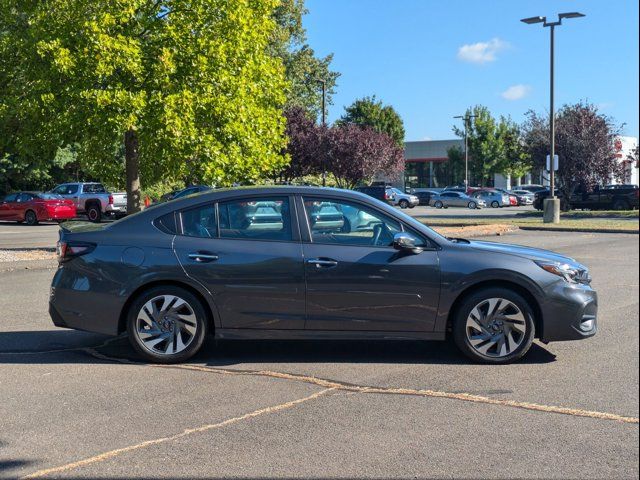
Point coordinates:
[(456, 199), (404, 200), (494, 198), (524, 196)]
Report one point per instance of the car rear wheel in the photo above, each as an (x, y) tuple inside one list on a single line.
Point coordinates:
[(167, 324), (472, 205), (30, 217), (495, 204), (94, 214), (403, 204), (438, 204), (620, 204), (494, 326)]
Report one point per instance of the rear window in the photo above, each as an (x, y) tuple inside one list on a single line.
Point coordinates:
[(93, 188)]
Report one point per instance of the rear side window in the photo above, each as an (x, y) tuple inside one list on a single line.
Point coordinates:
[(266, 218), (199, 222), (167, 223), (93, 188)]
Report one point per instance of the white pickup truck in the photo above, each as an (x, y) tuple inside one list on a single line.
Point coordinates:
[(93, 200)]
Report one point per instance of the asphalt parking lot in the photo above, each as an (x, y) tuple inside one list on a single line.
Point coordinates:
[(80, 405)]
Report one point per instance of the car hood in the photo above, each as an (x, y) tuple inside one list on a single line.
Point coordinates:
[(524, 252)]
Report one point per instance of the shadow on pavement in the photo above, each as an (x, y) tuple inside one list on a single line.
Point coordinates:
[(61, 346)]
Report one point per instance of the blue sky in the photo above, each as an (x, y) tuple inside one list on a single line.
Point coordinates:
[(432, 59)]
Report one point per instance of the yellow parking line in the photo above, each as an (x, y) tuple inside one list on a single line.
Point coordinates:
[(332, 384), (119, 451)]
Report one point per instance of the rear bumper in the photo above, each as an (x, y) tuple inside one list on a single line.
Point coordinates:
[(116, 209), (571, 313)]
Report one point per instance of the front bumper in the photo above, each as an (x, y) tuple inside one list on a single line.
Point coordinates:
[(570, 312)]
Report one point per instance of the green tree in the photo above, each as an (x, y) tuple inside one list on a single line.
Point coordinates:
[(303, 69), (370, 112), (517, 161), (486, 144), (186, 88)]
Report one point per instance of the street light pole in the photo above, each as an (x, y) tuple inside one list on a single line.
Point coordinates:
[(552, 204), (466, 118), (324, 124)]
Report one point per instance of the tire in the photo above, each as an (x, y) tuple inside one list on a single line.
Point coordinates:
[(191, 331), (495, 204), (30, 217), (403, 204), (438, 204), (472, 205), (620, 204), (500, 339), (94, 214)]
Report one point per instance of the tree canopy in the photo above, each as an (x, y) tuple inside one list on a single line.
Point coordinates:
[(186, 87), (369, 111), (584, 145)]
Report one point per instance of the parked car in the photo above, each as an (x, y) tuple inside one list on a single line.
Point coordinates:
[(424, 196), (93, 200), (404, 200), (618, 197), (383, 193), (450, 198), (456, 188), (182, 270), (524, 197), (34, 207), (493, 197), (513, 199), (533, 188), (185, 191)]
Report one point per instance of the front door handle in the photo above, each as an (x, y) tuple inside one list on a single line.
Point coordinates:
[(322, 262), (203, 257)]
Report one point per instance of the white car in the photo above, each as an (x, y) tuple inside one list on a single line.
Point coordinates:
[(404, 200), (494, 198)]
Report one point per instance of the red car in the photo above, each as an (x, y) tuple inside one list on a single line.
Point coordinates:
[(34, 207)]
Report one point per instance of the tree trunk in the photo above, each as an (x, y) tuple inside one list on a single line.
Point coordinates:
[(132, 168)]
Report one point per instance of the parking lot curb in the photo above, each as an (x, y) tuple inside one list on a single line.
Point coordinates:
[(579, 230)]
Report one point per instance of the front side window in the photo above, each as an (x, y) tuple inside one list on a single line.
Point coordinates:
[(71, 189), (346, 223), (11, 197), (200, 221), (267, 218), (25, 197)]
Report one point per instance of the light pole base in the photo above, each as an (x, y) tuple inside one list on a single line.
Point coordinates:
[(551, 210)]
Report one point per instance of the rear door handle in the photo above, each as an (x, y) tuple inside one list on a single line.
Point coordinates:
[(322, 262), (203, 257)]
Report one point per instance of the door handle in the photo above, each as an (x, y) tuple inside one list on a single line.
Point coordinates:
[(322, 262), (203, 257)]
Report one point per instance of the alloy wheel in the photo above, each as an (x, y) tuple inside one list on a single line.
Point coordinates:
[(496, 327), (166, 325)]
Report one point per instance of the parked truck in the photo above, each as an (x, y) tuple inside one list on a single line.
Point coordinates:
[(608, 197), (93, 200)]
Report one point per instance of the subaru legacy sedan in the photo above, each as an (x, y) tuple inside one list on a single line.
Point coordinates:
[(309, 263)]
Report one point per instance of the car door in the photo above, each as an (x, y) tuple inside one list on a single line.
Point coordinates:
[(356, 280), (247, 253), (8, 207)]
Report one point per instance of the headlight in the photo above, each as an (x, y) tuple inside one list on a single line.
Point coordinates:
[(570, 273)]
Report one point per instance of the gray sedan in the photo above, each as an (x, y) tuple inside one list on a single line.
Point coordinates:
[(303, 263), (449, 198)]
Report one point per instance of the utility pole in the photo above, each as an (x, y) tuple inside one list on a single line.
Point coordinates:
[(324, 124), (466, 117), (552, 204)]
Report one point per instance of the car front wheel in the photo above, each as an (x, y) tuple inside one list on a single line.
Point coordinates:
[(403, 204), (438, 204), (167, 324), (494, 326)]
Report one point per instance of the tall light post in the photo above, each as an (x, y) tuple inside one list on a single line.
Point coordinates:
[(466, 118), (324, 124), (552, 204)]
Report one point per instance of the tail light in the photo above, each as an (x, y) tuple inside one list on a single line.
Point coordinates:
[(68, 250), (110, 199)]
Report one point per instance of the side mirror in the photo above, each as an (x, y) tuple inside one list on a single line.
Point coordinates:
[(405, 242)]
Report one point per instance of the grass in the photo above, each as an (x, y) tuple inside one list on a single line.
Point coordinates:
[(597, 224), (588, 214)]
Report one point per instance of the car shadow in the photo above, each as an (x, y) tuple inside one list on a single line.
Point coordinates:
[(64, 346)]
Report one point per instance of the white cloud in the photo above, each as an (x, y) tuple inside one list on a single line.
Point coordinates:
[(516, 92), (482, 52)]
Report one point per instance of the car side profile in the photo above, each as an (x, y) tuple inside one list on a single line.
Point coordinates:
[(309, 263), (34, 207), (451, 198)]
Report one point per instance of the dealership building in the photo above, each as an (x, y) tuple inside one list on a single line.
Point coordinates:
[(426, 166)]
